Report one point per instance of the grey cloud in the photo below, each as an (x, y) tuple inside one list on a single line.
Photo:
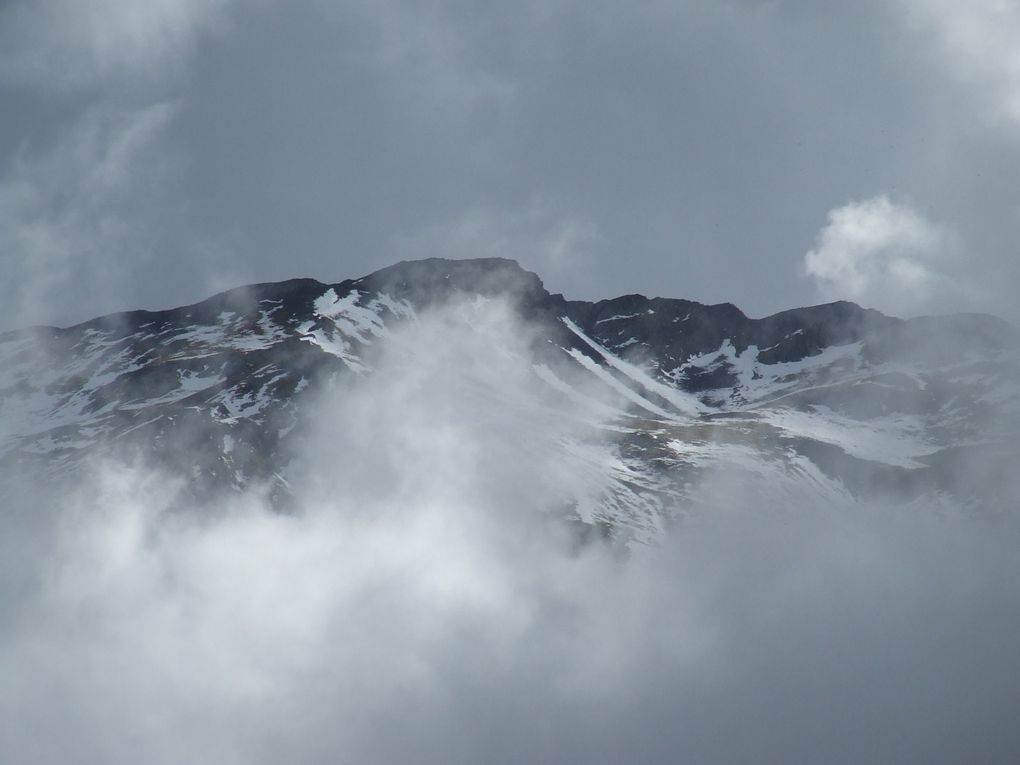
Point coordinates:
[(700, 140), (976, 44), (77, 216), (67, 46)]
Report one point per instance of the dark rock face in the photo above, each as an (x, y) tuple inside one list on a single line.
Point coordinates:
[(214, 389), (433, 280), (677, 330)]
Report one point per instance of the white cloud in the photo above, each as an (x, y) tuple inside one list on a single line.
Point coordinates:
[(66, 44), (68, 214), (884, 255)]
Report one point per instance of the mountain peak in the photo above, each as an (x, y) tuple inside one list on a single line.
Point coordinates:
[(425, 280)]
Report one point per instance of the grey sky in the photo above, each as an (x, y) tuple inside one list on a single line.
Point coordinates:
[(770, 154)]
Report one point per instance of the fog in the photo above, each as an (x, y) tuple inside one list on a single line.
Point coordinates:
[(420, 602)]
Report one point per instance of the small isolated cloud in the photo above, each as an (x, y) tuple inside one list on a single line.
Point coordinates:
[(885, 255), (66, 45), (70, 214)]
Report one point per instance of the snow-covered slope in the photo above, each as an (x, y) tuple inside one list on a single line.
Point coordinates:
[(666, 398)]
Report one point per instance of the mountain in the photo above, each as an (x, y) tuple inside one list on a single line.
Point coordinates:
[(836, 400)]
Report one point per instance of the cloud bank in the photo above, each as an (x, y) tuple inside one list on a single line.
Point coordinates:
[(420, 603)]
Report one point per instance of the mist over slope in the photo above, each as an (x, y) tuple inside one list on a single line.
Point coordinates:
[(659, 390), (438, 514)]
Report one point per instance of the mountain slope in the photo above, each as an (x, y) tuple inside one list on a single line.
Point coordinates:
[(836, 400)]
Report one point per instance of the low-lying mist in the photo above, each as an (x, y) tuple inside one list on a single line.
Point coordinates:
[(421, 601)]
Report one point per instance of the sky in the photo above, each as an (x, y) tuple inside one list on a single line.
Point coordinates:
[(419, 606), (771, 154)]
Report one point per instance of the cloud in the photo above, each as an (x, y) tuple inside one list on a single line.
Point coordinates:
[(977, 44), (434, 56), (884, 255), (83, 202), (73, 214), (65, 45)]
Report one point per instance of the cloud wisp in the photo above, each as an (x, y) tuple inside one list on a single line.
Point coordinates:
[(65, 46), (77, 218), (978, 45)]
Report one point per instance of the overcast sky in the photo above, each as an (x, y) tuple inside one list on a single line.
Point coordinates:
[(770, 154)]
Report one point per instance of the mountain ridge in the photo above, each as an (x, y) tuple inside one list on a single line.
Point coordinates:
[(411, 270), (835, 396)]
